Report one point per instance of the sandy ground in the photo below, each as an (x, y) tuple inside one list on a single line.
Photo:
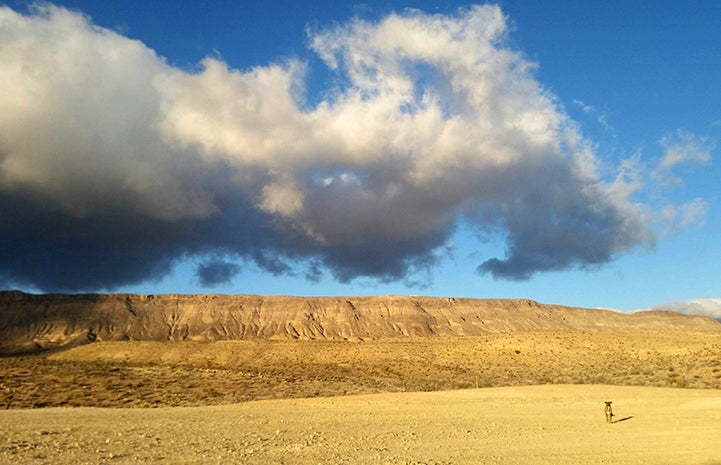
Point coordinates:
[(551, 424)]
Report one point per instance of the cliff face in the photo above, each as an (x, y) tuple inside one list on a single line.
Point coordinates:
[(31, 322)]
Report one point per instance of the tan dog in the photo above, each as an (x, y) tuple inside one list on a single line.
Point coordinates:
[(608, 411)]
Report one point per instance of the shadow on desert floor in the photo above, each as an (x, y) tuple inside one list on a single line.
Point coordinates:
[(622, 419)]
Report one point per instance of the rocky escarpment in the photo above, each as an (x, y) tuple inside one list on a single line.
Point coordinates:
[(30, 322)]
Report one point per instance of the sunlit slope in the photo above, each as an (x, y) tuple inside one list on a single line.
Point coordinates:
[(33, 322)]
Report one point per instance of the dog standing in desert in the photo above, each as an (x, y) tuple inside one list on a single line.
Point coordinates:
[(608, 411)]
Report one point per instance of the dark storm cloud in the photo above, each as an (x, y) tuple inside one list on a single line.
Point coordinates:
[(216, 272), (560, 224), (114, 165), (56, 251)]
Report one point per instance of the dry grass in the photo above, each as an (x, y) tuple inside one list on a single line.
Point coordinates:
[(147, 374)]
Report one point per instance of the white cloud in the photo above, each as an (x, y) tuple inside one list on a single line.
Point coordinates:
[(683, 147), (682, 216), (77, 114), (601, 117), (584, 106), (704, 307), (436, 120)]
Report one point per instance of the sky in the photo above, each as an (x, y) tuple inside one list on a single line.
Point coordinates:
[(560, 151)]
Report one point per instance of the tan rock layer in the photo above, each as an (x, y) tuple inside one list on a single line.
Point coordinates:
[(30, 322)]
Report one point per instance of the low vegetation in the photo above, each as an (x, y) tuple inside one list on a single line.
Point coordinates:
[(152, 374)]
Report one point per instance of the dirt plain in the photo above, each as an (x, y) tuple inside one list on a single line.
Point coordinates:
[(553, 424), (521, 397)]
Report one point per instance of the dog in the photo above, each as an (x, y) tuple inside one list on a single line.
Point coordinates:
[(608, 411)]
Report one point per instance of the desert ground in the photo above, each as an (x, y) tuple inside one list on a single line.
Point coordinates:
[(157, 374), (553, 424), (512, 398)]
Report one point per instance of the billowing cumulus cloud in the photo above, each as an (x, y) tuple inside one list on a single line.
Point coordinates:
[(114, 164)]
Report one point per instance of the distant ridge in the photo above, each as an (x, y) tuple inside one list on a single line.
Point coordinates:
[(32, 322)]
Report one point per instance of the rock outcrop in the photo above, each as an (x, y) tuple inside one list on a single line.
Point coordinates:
[(30, 322)]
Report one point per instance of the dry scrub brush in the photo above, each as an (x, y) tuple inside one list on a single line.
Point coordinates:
[(146, 374)]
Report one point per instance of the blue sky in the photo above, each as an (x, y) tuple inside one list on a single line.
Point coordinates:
[(555, 150)]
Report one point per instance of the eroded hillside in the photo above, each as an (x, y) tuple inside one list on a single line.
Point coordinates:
[(30, 323)]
